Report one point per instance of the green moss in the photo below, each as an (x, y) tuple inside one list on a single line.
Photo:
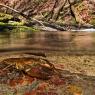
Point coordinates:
[(13, 26), (73, 21), (14, 23), (92, 22), (24, 29), (17, 27), (4, 16), (3, 24)]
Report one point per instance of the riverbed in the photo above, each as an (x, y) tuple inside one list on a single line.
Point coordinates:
[(72, 52)]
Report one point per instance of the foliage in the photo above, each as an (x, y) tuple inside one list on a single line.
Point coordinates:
[(51, 9), (8, 25), (24, 29), (16, 27)]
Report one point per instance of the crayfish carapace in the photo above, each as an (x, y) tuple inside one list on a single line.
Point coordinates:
[(34, 67)]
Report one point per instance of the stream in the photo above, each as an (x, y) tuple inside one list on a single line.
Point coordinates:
[(46, 41), (72, 51)]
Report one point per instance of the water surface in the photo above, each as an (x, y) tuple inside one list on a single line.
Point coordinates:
[(63, 42)]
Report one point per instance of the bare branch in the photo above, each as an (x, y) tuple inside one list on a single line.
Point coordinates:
[(22, 14)]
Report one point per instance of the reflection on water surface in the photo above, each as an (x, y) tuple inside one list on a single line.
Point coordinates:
[(64, 42)]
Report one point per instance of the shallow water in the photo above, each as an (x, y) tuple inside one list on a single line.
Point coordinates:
[(79, 78), (63, 42)]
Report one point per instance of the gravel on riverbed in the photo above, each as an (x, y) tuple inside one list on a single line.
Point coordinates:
[(83, 83), (84, 64)]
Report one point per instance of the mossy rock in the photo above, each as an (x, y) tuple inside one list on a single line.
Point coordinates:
[(24, 29), (7, 24), (3, 24), (4, 17), (93, 22), (11, 23), (15, 23), (16, 27)]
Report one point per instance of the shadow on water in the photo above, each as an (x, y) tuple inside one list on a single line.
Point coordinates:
[(63, 42)]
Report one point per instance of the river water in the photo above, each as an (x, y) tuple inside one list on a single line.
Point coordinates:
[(61, 42), (78, 71)]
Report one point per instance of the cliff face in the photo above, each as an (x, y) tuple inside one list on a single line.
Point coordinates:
[(55, 10)]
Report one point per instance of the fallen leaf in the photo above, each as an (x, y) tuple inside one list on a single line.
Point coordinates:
[(56, 80), (74, 89), (13, 82), (42, 86)]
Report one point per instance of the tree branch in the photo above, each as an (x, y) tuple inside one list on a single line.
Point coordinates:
[(22, 14)]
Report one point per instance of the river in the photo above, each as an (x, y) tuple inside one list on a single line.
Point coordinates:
[(77, 61)]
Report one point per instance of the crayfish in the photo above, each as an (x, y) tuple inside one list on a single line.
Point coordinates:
[(34, 67)]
